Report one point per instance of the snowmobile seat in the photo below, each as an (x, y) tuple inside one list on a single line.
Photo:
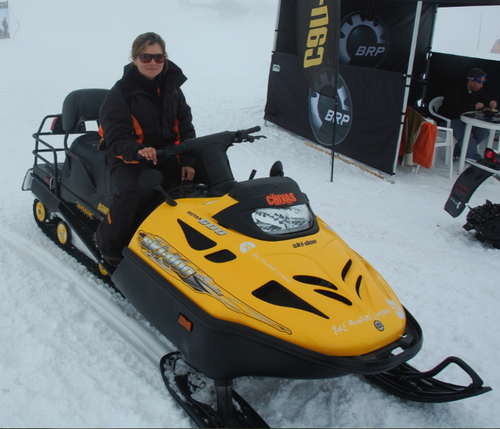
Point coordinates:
[(85, 171), (81, 106)]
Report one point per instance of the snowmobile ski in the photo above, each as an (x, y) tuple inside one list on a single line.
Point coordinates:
[(464, 188), (407, 382), (468, 182), (184, 383)]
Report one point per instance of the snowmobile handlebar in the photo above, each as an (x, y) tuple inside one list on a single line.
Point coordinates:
[(195, 145)]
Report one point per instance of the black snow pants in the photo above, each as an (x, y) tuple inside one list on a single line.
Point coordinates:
[(128, 206)]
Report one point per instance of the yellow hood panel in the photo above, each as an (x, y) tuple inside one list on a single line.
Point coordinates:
[(314, 291)]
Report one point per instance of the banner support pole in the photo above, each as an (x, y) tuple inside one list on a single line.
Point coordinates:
[(332, 161), (416, 27)]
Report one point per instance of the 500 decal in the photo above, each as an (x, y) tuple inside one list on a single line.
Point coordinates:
[(211, 226)]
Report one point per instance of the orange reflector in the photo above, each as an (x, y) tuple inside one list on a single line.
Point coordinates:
[(185, 322)]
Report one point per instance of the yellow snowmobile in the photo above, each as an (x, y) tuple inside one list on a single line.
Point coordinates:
[(241, 277)]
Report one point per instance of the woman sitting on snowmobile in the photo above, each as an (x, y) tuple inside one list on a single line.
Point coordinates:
[(144, 111)]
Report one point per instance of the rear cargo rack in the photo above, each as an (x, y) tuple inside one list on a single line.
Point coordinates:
[(48, 171)]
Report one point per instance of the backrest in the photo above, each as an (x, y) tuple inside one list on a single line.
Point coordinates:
[(435, 104), (80, 106)]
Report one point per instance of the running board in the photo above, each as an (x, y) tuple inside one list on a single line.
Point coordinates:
[(409, 383)]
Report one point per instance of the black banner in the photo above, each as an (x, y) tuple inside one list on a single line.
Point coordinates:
[(368, 117), (317, 43)]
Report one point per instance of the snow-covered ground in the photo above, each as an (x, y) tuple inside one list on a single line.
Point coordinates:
[(73, 354)]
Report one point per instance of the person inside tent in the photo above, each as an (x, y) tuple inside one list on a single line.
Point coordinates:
[(144, 111), (465, 97)]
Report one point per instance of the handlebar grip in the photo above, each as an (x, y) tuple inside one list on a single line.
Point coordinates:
[(252, 130)]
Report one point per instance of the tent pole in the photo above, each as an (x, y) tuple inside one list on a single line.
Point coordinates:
[(413, 48), (332, 161), (276, 26)]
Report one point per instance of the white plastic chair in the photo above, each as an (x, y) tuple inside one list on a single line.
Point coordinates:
[(445, 134)]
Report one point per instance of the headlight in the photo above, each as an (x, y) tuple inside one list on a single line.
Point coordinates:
[(283, 220)]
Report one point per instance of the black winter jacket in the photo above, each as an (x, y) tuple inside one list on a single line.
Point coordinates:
[(458, 100), (138, 112)]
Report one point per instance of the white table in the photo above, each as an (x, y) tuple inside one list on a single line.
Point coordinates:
[(477, 121)]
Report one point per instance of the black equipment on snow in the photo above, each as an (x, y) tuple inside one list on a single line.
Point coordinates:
[(485, 219)]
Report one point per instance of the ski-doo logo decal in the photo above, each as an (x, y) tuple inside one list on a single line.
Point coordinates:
[(85, 211), (304, 243), (280, 199), (211, 226), (177, 266), (246, 246), (168, 258)]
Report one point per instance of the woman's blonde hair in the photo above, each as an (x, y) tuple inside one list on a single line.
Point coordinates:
[(142, 42)]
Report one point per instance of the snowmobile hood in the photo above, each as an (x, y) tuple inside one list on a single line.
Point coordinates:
[(310, 290)]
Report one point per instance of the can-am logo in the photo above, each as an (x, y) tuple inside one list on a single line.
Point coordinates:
[(362, 42), (322, 113), (317, 36)]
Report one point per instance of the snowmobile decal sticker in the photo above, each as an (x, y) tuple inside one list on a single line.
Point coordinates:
[(379, 325), (280, 199), (304, 243), (271, 267), (177, 266), (375, 318), (397, 308), (246, 246), (212, 226), (84, 210), (103, 209)]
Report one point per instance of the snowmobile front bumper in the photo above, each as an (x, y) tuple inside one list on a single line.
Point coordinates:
[(409, 383)]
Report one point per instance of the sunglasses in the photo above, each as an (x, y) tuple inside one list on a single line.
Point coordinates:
[(146, 58), (479, 79)]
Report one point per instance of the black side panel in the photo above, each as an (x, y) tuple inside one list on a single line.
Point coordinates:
[(464, 188), (44, 194)]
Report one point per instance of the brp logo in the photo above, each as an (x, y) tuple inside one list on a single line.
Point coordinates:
[(363, 43), (322, 111)]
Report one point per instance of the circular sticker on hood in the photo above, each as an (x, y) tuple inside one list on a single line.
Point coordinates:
[(379, 325)]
